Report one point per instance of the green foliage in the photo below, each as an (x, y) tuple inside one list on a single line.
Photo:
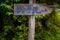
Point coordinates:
[(41, 1), (49, 28), (16, 27), (21, 1)]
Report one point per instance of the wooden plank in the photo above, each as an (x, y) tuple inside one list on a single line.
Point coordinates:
[(31, 9), (22, 9)]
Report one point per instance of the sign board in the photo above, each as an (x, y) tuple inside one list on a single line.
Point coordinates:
[(31, 9)]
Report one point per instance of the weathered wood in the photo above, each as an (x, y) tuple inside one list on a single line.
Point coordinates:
[(31, 31), (22, 9), (31, 9)]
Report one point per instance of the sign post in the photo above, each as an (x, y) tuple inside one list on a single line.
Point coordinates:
[(31, 25), (31, 9)]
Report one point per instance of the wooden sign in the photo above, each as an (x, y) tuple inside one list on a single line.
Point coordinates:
[(31, 9)]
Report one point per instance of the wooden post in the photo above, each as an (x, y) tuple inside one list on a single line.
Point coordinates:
[(31, 25)]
